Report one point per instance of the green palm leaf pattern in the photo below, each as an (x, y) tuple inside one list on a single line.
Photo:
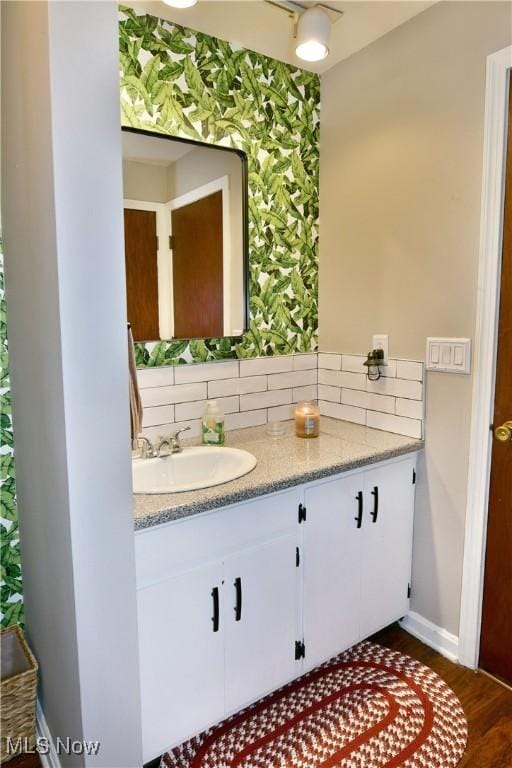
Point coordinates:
[(184, 83), (11, 601)]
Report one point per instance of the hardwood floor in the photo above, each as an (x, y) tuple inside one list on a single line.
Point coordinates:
[(23, 761), (487, 704)]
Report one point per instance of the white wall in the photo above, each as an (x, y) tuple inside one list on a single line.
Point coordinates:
[(61, 199), (400, 180), (144, 181)]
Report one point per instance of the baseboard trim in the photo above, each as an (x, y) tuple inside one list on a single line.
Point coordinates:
[(49, 759), (436, 637)]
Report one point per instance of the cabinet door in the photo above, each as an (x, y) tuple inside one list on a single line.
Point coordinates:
[(261, 624), (181, 657), (332, 565), (387, 550)]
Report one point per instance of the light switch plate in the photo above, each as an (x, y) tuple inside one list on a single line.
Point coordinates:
[(448, 355), (381, 341)]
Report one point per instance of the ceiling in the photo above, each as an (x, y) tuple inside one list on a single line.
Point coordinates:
[(261, 27), (152, 150)]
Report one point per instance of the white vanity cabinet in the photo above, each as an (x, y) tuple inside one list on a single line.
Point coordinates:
[(218, 602), (235, 602), (261, 621), (357, 543)]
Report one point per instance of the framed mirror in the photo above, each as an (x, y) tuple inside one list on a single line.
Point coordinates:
[(186, 237)]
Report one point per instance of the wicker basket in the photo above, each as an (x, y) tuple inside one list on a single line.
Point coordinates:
[(18, 691)]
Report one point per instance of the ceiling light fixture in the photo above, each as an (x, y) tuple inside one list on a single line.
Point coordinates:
[(181, 3), (311, 26), (313, 33)]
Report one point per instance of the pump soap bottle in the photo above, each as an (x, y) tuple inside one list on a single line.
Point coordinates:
[(213, 424)]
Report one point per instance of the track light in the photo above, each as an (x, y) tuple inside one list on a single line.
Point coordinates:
[(313, 32), (180, 3)]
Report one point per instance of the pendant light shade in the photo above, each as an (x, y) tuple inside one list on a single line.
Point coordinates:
[(313, 31), (180, 3)]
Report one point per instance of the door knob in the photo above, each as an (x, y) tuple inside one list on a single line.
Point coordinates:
[(504, 433)]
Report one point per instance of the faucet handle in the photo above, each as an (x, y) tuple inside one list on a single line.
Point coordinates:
[(147, 449), (175, 440), (178, 432)]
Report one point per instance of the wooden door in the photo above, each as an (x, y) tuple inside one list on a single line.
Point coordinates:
[(332, 548), (197, 267), (496, 633), (387, 545), (261, 621), (140, 248), (181, 653)]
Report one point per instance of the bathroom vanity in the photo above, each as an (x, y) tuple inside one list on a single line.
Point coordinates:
[(246, 586)]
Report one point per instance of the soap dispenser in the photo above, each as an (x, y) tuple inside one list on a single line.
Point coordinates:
[(213, 424)]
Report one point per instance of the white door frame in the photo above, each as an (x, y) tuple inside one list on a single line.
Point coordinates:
[(217, 185), (486, 336), (164, 264)]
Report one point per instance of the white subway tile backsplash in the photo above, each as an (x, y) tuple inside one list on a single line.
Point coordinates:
[(353, 363), (265, 399), (185, 374), (397, 424), (252, 392), (158, 432), (305, 393), (194, 431), (262, 365), (160, 376), (179, 393), (413, 409), (225, 387), (293, 379), (407, 369), (342, 379), (325, 392), (305, 362), (330, 361), (161, 414), (280, 413), (187, 411), (397, 388), (389, 370), (342, 412), (246, 419), (329, 377), (368, 400)]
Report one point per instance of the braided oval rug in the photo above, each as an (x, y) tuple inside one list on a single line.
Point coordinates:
[(370, 707)]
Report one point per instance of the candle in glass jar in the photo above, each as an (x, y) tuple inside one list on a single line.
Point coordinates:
[(307, 420)]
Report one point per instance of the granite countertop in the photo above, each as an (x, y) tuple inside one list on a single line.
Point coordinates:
[(282, 463)]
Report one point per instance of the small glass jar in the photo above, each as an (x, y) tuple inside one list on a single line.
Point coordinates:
[(307, 419)]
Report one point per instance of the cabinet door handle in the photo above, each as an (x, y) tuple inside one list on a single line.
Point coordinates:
[(238, 599), (359, 517), (215, 617), (375, 494)]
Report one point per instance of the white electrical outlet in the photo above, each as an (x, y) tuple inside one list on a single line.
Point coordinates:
[(381, 341)]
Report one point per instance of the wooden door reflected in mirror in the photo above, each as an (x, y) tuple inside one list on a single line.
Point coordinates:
[(185, 225)]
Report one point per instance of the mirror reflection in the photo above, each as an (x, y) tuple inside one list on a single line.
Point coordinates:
[(185, 229)]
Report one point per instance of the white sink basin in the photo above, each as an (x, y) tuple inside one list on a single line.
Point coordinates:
[(191, 470)]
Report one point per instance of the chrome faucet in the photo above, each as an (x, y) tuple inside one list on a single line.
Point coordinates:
[(150, 451), (147, 449), (172, 442), (175, 444)]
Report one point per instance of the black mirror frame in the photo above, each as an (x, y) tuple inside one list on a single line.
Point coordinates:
[(245, 213)]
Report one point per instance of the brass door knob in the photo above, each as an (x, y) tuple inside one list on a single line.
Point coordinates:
[(504, 433)]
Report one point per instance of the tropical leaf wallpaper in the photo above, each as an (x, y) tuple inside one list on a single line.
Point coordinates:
[(11, 601), (184, 83)]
